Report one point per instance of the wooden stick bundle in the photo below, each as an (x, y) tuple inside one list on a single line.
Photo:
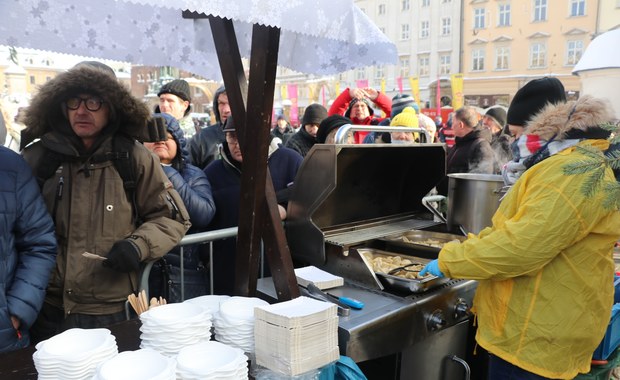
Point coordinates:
[(140, 304)]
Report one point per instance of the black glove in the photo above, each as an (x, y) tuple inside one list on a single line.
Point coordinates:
[(155, 129), (124, 256)]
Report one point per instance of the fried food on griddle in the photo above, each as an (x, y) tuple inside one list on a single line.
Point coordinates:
[(385, 264)]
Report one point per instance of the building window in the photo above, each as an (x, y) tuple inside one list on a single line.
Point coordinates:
[(32, 80), (404, 67), (538, 55), (577, 8), (423, 67), (477, 60), (444, 64), (404, 32), (424, 29), (446, 26), (479, 18), (379, 72), (574, 50), (426, 3), (382, 30), (540, 10), (502, 58), (503, 15), (406, 4), (360, 73), (47, 79), (381, 9)]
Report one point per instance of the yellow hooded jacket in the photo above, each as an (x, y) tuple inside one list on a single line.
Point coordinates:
[(545, 266)]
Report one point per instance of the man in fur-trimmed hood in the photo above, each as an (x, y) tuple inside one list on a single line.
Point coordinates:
[(545, 269), (86, 122), (45, 113)]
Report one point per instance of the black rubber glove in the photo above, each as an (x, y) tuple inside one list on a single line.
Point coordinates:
[(124, 256)]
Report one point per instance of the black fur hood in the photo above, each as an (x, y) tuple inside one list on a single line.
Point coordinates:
[(45, 113)]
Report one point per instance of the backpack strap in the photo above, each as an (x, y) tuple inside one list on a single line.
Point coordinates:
[(49, 162), (122, 146)]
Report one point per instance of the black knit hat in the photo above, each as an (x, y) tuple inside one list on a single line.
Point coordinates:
[(329, 124), (314, 114), (533, 97), (177, 87), (401, 101), (355, 100), (498, 114)]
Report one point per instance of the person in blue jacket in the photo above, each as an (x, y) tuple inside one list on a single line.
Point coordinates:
[(195, 191), (27, 250), (225, 178)]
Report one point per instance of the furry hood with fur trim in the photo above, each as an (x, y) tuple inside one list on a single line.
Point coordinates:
[(45, 113), (565, 120)]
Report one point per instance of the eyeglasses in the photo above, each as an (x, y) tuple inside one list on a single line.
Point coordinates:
[(92, 104)]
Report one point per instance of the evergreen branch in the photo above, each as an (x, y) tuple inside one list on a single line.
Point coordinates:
[(583, 166), (593, 182), (590, 151), (612, 195)]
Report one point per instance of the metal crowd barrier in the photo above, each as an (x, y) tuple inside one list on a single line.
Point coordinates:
[(197, 238), (342, 133)]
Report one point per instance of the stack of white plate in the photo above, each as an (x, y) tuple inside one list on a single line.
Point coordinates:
[(234, 325), (212, 360), (208, 302), (74, 354), (296, 336), (169, 328), (144, 364)]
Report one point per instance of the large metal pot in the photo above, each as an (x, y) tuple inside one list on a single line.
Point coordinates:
[(473, 199)]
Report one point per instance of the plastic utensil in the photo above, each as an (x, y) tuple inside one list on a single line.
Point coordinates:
[(352, 302)]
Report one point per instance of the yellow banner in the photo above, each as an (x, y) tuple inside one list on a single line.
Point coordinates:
[(414, 82), (284, 92), (457, 90), (383, 86), (337, 89)]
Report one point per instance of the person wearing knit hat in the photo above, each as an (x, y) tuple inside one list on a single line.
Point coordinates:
[(531, 99), (401, 101), (494, 119), (494, 130), (282, 129), (175, 99), (326, 133), (406, 118), (545, 262), (303, 140), (357, 104)]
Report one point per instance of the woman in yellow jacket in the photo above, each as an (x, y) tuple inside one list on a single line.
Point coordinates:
[(545, 267)]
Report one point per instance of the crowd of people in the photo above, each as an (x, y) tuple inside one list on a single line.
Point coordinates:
[(100, 174)]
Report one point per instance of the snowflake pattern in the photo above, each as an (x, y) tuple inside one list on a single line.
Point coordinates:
[(319, 37)]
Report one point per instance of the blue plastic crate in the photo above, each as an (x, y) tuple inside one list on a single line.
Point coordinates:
[(611, 341)]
